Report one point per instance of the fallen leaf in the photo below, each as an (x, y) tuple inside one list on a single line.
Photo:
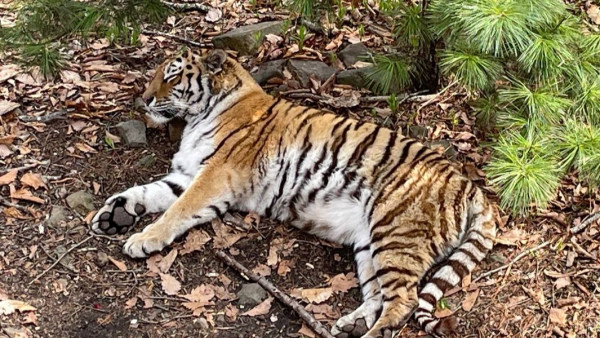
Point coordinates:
[(9, 306), (85, 148), (8, 71), (323, 311), (443, 313), (9, 177), (213, 15), (342, 283), (231, 313), (262, 270), (224, 235), (194, 241), (33, 180), (318, 295), (558, 316), (469, 301), (30, 318), (261, 309), (593, 12), (7, 106), (202, 294), (537, 296), (131, 302), (285, 266), (562, 282), (152, 262), (120, 265), (26, 195), (307, 331), (511, 237), (170, 285), (165, 264)]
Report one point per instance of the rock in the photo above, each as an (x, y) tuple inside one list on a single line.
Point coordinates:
[(102, 258), (303, 69), (268, 70), (175, 129), (251, 294), (353, 53), (353, 77), (418, 132), (58, 215), (66, 260), (81, 202), (243, 39), (133, 133), (146, 162), (449, 150)]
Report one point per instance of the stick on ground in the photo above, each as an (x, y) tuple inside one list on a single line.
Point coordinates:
[(60, 258), (589, 220), (308, 318), (503, 267)]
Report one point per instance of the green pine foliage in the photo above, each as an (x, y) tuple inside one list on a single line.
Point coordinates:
[(43, 27)]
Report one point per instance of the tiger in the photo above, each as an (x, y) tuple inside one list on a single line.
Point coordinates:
[(401, 206)]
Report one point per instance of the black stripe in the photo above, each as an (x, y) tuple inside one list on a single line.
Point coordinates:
[(176, 189), (386, 154), (360, 249), (371, 279), (217, 211), (442, 284), (393, 246), (395, 269)]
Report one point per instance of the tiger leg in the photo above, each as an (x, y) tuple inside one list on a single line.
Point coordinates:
[(360, 320), (123, 210), (209, 196), (398, 270)]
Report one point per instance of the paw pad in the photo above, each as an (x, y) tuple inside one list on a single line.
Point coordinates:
[(114, 218)]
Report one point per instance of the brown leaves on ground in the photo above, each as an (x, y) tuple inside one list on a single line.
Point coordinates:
[(119, 264), (558, 316), (33, 180), (225, 236), (170, 285), (9, 306), (259, 310), (195, 241), (199, 298), (343, 282), (9, 177), (470, 299)]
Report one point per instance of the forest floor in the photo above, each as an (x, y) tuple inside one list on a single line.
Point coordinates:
[(96, 291)]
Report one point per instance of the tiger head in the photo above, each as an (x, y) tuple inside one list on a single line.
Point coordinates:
[(190, 84)]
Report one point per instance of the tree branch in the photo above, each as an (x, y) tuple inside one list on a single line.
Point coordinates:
[(176, 37), (308, 318), (187, 6), (589, 220), (503, 267)]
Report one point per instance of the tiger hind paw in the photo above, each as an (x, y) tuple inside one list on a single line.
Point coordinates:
[(117, 216)]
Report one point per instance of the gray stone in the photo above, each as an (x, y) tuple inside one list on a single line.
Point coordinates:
[(353, 77), (353, 53), (58, 215), (303, 69), (449, 150), (251, 294), (81, 202), (268, 70), (133, 133), (146, 162), (175, 129), (102, 258), (243, 39), (418, 132)]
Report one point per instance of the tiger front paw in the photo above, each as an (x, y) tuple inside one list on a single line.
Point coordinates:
[(118, 215), (357, 323), (144, 243)]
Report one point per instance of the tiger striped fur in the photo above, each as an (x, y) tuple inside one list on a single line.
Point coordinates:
[(400, 205)]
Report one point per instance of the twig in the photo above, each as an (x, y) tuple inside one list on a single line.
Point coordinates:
[(58, 115), (176, 37), (437, 95), (6, 203), (416, 96), (503, 267), (308, 318), (187, 6), (60, 258), (589, 220), (28, 166)]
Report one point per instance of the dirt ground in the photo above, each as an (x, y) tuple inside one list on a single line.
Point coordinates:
[(96, 291)]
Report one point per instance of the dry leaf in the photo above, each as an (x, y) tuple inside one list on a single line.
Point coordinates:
[(7, 106), (194, 241), (120, 265), (262, 270), (537, 296), (231, 313), (9, 177), (558, 316), (26, 195), (562, 282), (342, 283), (9, 306), (469, 301), (261, 309), (33, 180), (152, 262), (443, 313), (170, 285), (285, 266), (8, 71), (213, 15), (224, 235), (202, 294), (511, 237), (165, 264), (593, 12), (318, 295), (131, 302), (85, 148), (307, 331)]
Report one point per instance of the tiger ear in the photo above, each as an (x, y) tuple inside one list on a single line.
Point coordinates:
[(215, 60)]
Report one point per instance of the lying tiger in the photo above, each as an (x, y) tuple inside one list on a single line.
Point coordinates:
[(402, 206)]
